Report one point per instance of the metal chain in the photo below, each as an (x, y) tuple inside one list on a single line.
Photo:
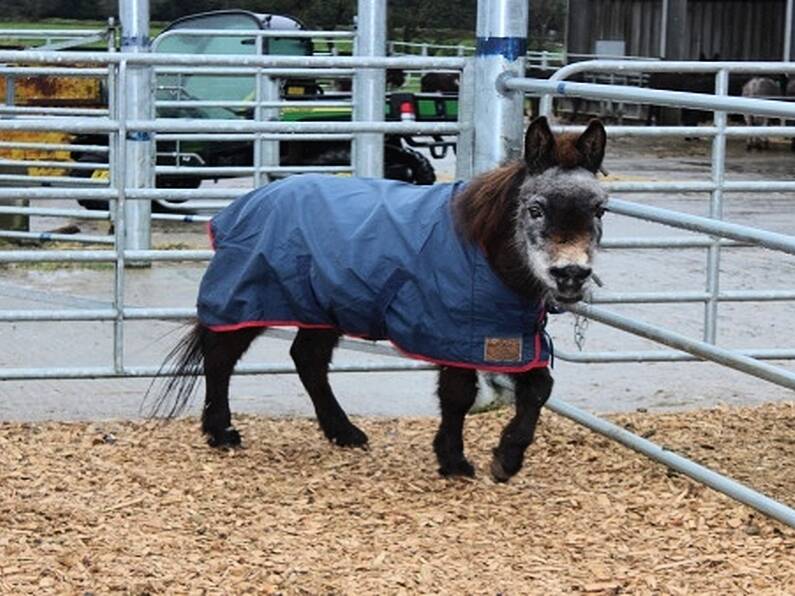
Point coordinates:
[(580, 327)]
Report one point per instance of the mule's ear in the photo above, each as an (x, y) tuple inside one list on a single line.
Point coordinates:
[(539, 146), (591, 146)]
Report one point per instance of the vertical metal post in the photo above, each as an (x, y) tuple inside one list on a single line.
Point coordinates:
[(114, 141), (788, 31), (116, 177), (369, 88), (119, 175), (466, 136), (138, 91), (716, 211), (501, 47), (19, 223), (258, 116), (266, 152), (10, 92)]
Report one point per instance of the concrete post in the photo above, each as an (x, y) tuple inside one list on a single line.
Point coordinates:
[(139, 150), (579, 35), (369, 88), (498, 113), (675, 48), (676, 33)]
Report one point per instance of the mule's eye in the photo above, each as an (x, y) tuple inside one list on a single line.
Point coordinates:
[(535, 211), (599, 211)]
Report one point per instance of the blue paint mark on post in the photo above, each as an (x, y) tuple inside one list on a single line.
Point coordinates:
[(511, 48), (139, 136), (562, 88), (135, 41)]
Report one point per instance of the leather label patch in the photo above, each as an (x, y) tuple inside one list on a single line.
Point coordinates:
[(502, 349)]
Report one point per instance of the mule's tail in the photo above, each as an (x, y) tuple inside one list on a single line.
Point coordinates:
[(175, 381)]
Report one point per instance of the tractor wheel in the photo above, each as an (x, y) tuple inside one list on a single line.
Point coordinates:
[(99, 205), (401, 163), (91, 204)]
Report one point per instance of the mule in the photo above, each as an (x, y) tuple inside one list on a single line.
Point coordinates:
[(458, 274)]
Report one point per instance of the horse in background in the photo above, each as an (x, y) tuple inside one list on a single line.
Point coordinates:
[(761, 88)]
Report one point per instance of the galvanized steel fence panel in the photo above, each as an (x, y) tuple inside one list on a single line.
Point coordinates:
[(115, 122), (744, 236), (721, 234)]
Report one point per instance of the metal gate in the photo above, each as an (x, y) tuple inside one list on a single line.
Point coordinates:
[(130, 128), (718, 235)]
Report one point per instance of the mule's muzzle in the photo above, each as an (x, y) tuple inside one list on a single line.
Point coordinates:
[(570, 281)]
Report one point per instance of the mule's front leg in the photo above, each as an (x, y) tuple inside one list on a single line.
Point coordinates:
[(532, 391), (458, 388), (311, 352)]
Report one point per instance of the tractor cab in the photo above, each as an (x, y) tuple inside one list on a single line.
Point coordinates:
[(204, 34)]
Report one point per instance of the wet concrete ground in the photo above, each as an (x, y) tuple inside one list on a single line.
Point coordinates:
[(598, 387)]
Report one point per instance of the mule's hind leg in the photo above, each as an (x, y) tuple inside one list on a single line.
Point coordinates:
[(221, 351), (311, 351), (458, 388), (532, 391)]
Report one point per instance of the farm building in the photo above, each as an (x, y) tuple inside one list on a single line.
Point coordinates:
[(682, 29)]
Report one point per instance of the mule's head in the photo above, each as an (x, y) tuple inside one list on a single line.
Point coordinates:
[(560, 207)]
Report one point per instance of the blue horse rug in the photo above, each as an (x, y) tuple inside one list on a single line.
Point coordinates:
[(372, 258)]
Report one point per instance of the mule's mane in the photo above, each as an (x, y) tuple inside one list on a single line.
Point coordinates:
[(487, 204)]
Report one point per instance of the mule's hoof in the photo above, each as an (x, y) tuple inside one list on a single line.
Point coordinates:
[(498, 473), (227, 438), (457, 468), (350, 437)]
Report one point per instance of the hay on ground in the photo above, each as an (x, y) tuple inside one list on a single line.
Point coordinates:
[(142, 508)]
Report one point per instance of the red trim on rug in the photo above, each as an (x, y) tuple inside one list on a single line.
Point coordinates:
[(536, 363), (210, 234), (247, 324)]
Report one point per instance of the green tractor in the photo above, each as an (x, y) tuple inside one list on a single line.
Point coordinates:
[(401, 161), (219, 93)]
